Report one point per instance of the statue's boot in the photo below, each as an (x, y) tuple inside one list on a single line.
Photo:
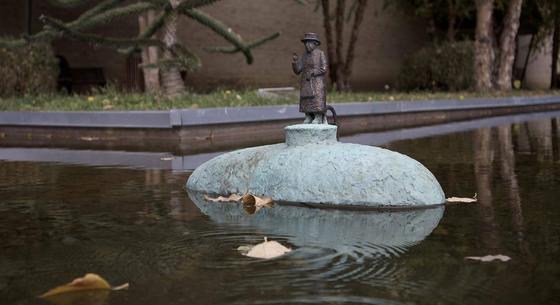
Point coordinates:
[(308, 118)]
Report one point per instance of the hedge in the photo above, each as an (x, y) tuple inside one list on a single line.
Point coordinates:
[(32, 69)]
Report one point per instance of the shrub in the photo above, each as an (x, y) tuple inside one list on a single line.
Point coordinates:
[(447, 66), (32, 69)]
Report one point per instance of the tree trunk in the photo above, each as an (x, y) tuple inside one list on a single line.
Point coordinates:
[(339, 27), (526, 62), (555, 50), (507, 45), (330, 44), (359, 17), (484, 52), (172, 81), (149, 56), (451, 20)]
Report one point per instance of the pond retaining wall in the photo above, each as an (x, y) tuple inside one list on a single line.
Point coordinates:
[(214, 129)]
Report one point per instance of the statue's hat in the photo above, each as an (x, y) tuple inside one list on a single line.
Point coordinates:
[(311, 36)]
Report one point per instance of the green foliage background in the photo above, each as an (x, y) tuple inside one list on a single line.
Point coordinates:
[(29, 70), (446, 66)]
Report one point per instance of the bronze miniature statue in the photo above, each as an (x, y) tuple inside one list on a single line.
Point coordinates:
[(313, 67)]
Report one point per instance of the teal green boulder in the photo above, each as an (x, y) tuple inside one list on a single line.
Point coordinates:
[(312, 167)]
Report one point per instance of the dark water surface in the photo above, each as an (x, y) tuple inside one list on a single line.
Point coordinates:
[(58, 222)]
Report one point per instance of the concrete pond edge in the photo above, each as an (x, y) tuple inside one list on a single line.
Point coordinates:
[(177, 118)]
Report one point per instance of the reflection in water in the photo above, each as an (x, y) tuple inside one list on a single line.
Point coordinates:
[(507, 165), (485, 146), (483, 158), (541, 140), (345, 234)]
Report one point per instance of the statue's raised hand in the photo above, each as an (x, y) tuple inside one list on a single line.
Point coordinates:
[(294, 57)]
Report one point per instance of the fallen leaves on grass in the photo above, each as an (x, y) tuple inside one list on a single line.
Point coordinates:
[(266, 250), (461, 199), (90, 289), (489, 258)]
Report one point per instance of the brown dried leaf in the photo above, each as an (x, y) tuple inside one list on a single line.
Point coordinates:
[(266, 250), (231, 198), (489, 258), (251, 203), (462, 200)]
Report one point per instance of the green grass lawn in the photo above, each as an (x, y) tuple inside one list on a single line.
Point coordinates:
[(111, 99)]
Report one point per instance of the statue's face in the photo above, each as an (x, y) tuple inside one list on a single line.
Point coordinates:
[(310, 45)]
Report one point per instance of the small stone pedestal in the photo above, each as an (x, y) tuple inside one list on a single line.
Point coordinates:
[(302, 134)]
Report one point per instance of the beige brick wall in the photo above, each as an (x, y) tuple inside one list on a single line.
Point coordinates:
[(386, 37)]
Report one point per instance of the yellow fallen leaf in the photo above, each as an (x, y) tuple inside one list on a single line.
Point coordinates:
[(267, 250), (90, 281), (251, 203), (232, 197), (489, 258), (84, 297), (462, 200)]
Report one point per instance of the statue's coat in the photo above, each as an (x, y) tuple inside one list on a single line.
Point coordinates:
[(313, 68)]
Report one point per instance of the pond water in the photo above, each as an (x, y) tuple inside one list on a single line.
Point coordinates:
[(59, 221)]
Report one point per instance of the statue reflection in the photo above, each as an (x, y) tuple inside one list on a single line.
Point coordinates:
[(355, 234)]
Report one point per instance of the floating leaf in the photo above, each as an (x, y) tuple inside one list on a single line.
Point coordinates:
[(85, 297), (231, 198), (266, 249), (251, 203), (489, 258), (88, 290), (462, 200), (90, 281)]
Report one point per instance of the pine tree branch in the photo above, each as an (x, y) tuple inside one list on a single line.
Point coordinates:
[(190, 4), (99, 8), (189, 60), (97, 39), (149, 31), (11, 43), (68, 3), (221, 29), (49, 34), (113, 14), (254, 44)]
